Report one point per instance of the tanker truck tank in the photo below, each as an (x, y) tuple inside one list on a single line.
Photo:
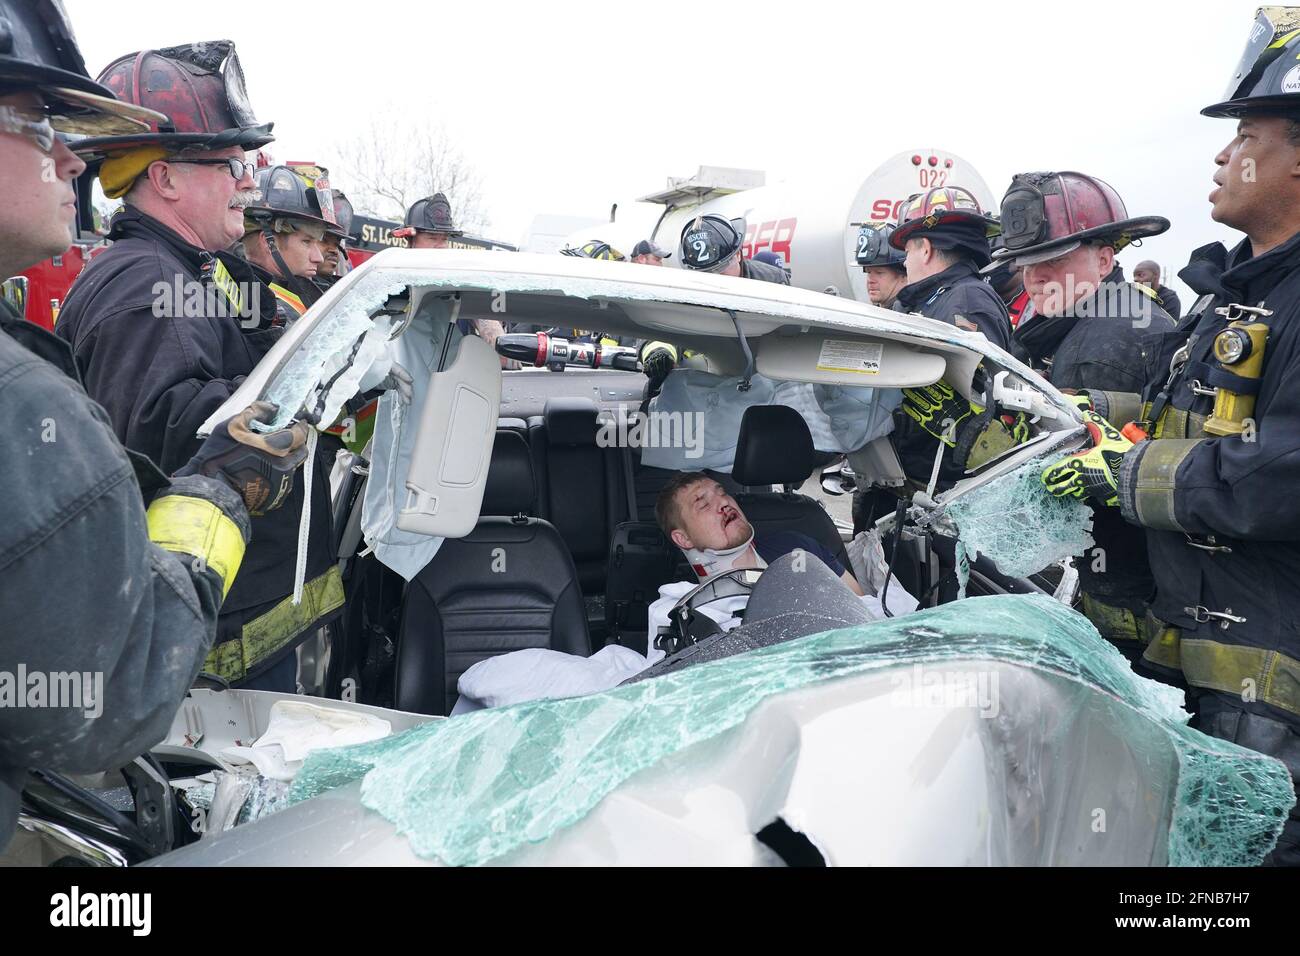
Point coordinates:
[(811, 221)]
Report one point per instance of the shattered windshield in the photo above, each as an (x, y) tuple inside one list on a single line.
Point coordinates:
[(471, 789)]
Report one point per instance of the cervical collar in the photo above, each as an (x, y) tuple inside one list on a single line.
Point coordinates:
[(708, 562)]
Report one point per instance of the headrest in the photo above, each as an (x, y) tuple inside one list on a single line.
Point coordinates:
[(774, 447), (570, 421), (509, 490)]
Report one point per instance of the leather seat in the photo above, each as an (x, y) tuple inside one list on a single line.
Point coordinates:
[(579, 484), (776, 448), (508, 585)]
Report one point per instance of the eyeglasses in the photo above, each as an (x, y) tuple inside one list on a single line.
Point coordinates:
[(19, 120), (238, 168)]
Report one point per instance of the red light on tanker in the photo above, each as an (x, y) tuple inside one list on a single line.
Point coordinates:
[(947, 164), (934, 160), (916, 160)]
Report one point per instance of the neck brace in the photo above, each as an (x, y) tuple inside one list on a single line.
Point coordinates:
[(706, 563)]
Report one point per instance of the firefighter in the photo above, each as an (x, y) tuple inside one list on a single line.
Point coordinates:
[(711, 243), (284, 233), (1211, 484), (166, 323), (1147, 273), (146, 560), (1062, 231), (334, 250), (881, 263), (945, 236), (428, 225)]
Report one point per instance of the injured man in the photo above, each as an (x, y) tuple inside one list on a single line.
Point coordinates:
[(700, 517), (704, 521)]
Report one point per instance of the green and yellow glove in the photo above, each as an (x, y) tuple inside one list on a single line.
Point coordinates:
[(1091, 473), (939, 410), (973, 432)]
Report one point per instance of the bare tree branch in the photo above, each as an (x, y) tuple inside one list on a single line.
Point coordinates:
[(393, 160)]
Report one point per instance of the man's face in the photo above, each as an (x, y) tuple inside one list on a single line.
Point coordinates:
[(429, 240), (301, 253), (710, 518), (330, 253), (648, 260), (37, 202), (1252, 169), (1145, 275), (921, 260), (211, 201), (732, 268), (883, 283), (1059, 283)]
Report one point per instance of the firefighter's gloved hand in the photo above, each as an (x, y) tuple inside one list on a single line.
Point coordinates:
[(1091, 473), (939, 410), (258, 465), (1081, 399), (657, 360)]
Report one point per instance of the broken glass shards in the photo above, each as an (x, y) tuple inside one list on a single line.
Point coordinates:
[(1018, 525), (474, 788), (338, 351)]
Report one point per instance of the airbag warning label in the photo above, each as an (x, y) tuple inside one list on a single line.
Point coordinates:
[(843, 355)]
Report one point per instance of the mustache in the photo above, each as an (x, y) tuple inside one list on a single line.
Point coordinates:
[(245, 198)]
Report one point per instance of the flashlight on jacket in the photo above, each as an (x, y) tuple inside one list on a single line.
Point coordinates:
[(1239, 355)]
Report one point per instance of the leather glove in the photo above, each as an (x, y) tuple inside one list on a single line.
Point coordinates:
[(1091, 473), (258, 465)]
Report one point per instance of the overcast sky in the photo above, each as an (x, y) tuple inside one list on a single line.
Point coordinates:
[(567, 109)]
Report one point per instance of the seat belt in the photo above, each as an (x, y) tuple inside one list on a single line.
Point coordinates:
[(629, 481)]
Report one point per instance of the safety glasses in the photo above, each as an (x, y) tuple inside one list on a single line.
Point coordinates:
[(23, 122), (238, 168)]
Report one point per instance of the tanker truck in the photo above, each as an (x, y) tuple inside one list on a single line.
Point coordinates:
[(812, 221)]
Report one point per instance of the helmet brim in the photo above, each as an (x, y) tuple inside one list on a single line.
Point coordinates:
[(79, 104), (1118, 234), (1281, 104), (910, 230), (97, 148)]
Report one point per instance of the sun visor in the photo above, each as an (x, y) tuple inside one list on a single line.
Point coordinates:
[(453, 446)]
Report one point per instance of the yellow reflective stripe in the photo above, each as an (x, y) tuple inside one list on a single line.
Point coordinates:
[(1283, 40), (199, 528), (224, 281), (267, 633), (1155, 482), (1163, 650), (287, 297), (1116, 624), (1179, 423), (1120, 408), (1252, 673)]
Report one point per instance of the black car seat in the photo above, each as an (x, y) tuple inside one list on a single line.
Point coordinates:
[(579, 488), (776, 448), (508, 585)]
